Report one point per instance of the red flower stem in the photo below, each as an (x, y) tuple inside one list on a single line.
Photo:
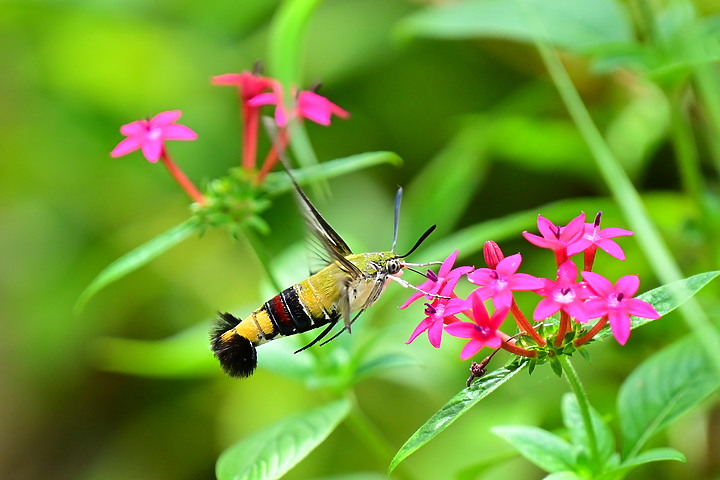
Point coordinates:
[(564, 327), (180, 177), (508, 343), (589, 258), (593, 331), (524, 325), (561, 256), (271, 159), (251, 117)]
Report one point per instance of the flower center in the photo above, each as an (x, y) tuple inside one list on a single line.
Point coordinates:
[(155, 133), (483, 331), (564, 295)]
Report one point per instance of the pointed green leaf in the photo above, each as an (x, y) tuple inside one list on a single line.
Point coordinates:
[(665, 386), (137, 258), (576, 26), (279, 182), (457, 406), (655, 455), (544, 449), (271, 452), (563, 476), (668, 297)]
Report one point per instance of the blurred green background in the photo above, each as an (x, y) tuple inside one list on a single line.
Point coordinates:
[(94, 396)]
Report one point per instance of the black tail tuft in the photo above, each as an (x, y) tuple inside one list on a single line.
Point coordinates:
[(237, 354)]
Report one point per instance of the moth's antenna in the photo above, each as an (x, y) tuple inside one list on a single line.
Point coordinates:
[(398, 199), (420, 240)]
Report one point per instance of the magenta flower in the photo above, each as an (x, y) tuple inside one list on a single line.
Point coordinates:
[(151, 135), (443, 283), (308, 105), (498, 283), (596, 238), (560, 239), (249, 85), (564, 294), (482, 331), (617, 303), (440, 312)]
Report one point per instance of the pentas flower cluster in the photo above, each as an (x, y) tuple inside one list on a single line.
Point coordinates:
[(254, 91), (578, 297)]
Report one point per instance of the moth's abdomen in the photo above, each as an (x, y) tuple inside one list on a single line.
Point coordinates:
[(296, 309), (236, 352)]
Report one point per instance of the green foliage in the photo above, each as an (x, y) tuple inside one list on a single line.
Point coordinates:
[(269, 453)]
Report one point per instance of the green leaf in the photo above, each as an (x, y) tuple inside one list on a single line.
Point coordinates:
[(665, 386), (668, 297), (271, 452), (182, 355), (383, 363), (136, 258), (279, 182), (655, 455), (563, 476), (456, 407), (575, 26), (544, 449)]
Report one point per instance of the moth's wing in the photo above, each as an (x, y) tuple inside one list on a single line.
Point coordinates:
[(333, 244)]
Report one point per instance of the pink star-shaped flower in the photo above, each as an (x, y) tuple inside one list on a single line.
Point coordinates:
[(440, 312), (151, 135), (249, 84), (560, 239), (595, 238), (310, 105), (443, 283), (482, 331), (564, 294), (498, 283), (617, 303)]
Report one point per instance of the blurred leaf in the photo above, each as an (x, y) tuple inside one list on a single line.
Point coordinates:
[(542, 448), (185, 354), (655, 455), (572, 419), (576, 26), (279, 182), (271, 452), (668, 297), (382, 363), (136, 258), (445, 186), (563, 476), (665, 386), (457, 406)]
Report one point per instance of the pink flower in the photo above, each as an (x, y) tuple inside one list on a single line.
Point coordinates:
[(617, 303), (443, 283), (308, 105), (150, 135), (560, 239), (498, 283), (248, 84), (564, 294), (482, 331), (596, 238), (440, 312)]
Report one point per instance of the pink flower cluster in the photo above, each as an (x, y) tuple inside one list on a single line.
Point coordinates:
[(576, 298), (255, 91)]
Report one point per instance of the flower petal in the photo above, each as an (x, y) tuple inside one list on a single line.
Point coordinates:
[(545, 308), (598, 283), (126, 146), (165, 118), (620, 325), (640, 308), (178, 132), (628, 285)]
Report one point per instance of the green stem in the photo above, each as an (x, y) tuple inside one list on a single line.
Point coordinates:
[(583, 403), (366, 431)]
